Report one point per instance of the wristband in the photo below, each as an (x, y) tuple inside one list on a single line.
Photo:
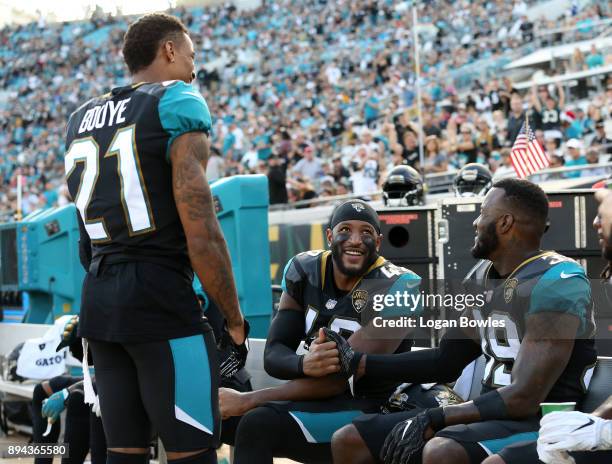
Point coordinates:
[(437, 418), (491, 406)]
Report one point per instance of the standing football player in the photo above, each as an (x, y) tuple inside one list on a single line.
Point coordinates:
[(135, 165), (321, 290), (543, 351)]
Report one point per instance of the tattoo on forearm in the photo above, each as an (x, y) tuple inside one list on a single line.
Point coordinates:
[(193, 197)]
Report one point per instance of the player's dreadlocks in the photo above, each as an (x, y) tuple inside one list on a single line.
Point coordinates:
[(144, 37)]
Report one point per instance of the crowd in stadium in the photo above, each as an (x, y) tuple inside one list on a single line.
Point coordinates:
[(322, 103)]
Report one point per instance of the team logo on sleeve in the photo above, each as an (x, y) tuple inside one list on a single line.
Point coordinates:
[(360, 299), (509, 288)]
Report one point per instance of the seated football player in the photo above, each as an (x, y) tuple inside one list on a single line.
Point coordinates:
[(584, 435), (321, 289), (543, 351)]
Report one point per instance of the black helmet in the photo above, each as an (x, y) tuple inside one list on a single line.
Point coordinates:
[(473, 180), (403, 187)]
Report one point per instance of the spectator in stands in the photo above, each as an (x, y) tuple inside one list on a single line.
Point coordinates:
[(339, 172), (215, 166), (577, 62), (435, 160), (365, 172), (430, 126), (600, 140), (592, 157), (526, 29), (574, 157), (594, 58), (410, 144), (277, 180), (309, 166), (466, 145), (505, 169), (516, 119), (550, 112), (486, 140), (371, 107)]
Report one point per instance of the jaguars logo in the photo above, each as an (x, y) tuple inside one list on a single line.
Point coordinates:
[(360, 299), (509, 288), (358, 207)]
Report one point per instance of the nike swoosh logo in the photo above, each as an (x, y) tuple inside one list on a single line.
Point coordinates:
[(588, 424), (406, 428), (563, 275)]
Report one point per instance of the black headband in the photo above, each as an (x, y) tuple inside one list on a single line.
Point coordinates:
[(355, 210)]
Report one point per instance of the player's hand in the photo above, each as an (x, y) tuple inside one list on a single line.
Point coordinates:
[(233, 403), (406, 441), (322, 358), (69, 334), (349, 359), (574, 431), (53, 406), (233, 356), (554, 457)]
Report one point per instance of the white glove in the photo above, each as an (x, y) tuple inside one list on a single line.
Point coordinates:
[(574, 431)]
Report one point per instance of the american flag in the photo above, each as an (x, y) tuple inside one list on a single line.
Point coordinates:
[(527, 154)]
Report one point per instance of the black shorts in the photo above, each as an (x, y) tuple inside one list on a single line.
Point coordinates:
[(479, 439), (169, 387), (526, 452), (482, 439), (374, 428), (137, 301)]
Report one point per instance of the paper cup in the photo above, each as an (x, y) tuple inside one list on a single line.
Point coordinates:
[(552, 407)]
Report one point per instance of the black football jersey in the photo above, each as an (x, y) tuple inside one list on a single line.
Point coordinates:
[(308, 279), (117, 166), (547, 282)]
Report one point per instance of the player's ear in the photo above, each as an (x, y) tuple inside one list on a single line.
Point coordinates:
[(169, 50), (329, 235), (505, 223), (379, 239)]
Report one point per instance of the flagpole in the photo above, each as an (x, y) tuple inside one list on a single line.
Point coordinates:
[(417, 66), (19, 197)]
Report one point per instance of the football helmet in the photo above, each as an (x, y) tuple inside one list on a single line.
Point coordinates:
[(473, 180), (403, 187)]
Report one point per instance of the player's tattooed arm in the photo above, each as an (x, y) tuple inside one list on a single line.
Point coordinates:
[(206, 245)]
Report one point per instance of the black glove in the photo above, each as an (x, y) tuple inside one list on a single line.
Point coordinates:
[(406, 441), (232, 357), (349, 359)]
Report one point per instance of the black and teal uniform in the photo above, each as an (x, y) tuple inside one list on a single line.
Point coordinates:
[(546, 282), (302, 430), (154, 351)]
